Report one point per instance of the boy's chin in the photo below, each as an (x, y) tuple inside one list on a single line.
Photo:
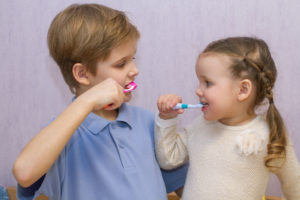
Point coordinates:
[(127, 98)]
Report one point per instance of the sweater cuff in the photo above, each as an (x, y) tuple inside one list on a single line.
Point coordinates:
[(165, 123)]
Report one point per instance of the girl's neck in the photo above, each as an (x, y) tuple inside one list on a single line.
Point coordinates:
[(238, 120)]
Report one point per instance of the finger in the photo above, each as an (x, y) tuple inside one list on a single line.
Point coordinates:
[(180, 111), (173, 104), (159, 105), (164, 105), (169, 102)]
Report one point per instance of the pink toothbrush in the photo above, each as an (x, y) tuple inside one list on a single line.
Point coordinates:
[(130, 87)]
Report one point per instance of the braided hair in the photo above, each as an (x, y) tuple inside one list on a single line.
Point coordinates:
[(251, 59)]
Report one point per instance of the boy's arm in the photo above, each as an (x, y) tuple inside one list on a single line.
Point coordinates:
[(28, 193), (43, 150), (179, 191), (175, 179)]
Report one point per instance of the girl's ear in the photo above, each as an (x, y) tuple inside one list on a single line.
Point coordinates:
[(81, 74), (245, 89)]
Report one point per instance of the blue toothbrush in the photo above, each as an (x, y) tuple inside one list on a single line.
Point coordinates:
[(186, 106)]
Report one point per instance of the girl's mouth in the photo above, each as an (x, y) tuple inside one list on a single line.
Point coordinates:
[(205, 105)]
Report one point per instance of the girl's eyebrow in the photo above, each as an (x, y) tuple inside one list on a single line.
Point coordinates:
[(204, 77)]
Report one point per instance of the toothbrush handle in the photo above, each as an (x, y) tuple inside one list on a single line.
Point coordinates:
[(180, 106), (196, 106), (107, 106), (185, 106), (130, 87)]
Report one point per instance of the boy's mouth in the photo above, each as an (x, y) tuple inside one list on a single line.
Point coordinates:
[(127, 86), (130, 87)]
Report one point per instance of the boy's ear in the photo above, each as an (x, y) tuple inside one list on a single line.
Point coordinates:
[(245, 89), (81, 74)]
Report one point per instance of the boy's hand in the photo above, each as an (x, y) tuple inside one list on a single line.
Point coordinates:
[(108, 92), (165, 104)]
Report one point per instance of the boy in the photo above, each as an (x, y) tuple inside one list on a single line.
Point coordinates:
[(99, 147)]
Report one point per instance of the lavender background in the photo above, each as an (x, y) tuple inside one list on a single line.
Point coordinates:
[(173, 33)]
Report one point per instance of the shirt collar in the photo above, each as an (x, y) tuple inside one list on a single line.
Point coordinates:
[(95, 124), (126, 115)]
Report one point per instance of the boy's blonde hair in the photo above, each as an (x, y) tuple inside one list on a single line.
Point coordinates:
[(251, 59), (86, 34)]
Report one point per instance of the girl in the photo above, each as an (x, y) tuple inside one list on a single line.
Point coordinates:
[(232, 150)]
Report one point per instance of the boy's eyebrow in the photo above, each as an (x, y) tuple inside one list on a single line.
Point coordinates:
[(125, 57), (121, 59)]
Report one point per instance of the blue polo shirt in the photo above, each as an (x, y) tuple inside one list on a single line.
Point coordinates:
[(110, 160)]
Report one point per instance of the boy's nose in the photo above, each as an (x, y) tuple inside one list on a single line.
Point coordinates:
[(133, 71)]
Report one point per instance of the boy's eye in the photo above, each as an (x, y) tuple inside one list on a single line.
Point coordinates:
[(122, 64)]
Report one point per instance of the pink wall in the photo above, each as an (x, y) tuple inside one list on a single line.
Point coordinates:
[(173, 33)]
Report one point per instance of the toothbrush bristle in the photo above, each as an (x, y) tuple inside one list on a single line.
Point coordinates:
[(130, 87)]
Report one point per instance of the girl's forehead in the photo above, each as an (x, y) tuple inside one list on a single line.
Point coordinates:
[(210, 61), (215, 57), (213, 67)]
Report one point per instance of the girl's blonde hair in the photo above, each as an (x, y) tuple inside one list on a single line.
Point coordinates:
[(86, 33), (251, 59)]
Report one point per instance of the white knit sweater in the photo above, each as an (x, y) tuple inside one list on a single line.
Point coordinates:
[(226, 162)]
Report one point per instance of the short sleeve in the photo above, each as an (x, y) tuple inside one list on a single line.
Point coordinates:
[(28, 192), (49, 185), (54, 178), (175, 178)]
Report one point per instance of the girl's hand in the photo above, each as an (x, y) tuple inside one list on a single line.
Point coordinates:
[(107, 95), (165, 104)]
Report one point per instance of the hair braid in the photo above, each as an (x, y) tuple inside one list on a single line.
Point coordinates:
[(266, 78)]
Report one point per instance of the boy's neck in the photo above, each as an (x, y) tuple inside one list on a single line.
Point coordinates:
[(110, 115)]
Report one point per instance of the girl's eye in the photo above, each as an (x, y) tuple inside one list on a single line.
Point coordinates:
[(208, 83)]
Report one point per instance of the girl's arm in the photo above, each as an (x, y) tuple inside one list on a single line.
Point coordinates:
[(289, 175), (170, 146), (42, 151)]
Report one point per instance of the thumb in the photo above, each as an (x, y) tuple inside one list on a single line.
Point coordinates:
[(180, 111)]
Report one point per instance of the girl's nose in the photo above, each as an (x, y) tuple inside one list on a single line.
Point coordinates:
[(199, 92)]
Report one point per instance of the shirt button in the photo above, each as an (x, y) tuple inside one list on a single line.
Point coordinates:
[(113, 126), (121, 146)]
